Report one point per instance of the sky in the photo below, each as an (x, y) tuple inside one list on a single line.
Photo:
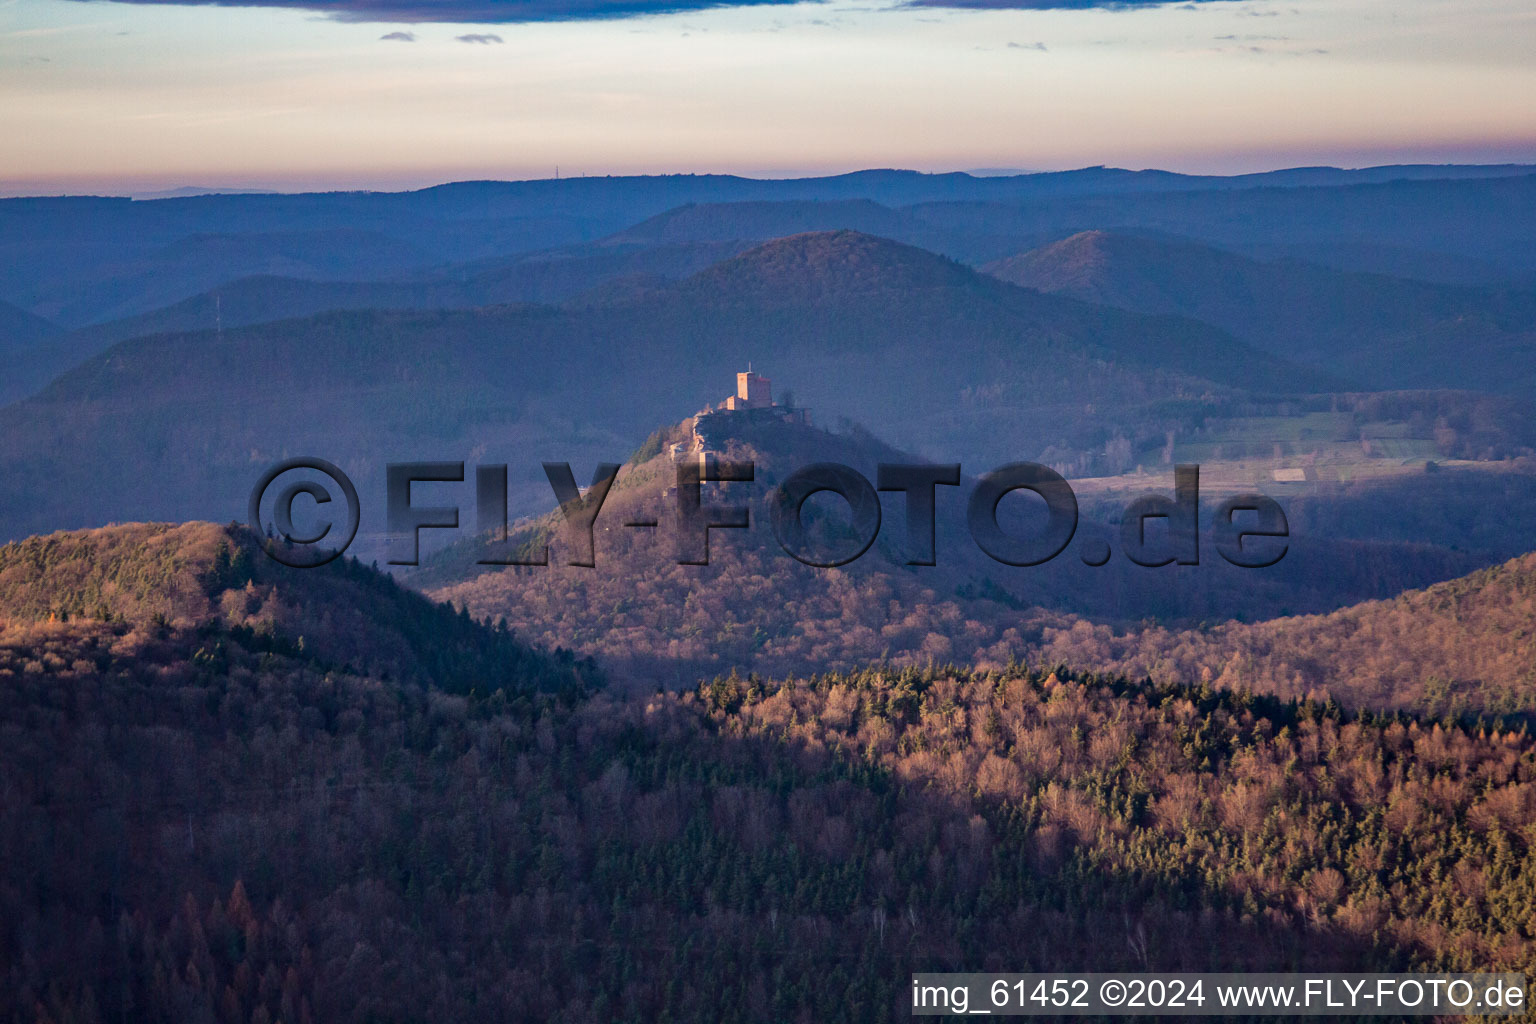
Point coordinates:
[(97, 95)]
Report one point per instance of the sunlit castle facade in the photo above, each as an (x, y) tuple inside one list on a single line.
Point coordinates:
[(753, 391)]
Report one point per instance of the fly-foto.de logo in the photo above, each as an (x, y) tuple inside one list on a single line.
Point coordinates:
[(1246, 530)]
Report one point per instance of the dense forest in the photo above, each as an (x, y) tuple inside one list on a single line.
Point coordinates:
[(258, 840), (201, 822)]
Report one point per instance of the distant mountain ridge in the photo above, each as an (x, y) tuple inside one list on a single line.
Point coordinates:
[(54, 251), (1385, 331), (825, 268), (827, 309), (548, 277), (122, 268), (760, 220)]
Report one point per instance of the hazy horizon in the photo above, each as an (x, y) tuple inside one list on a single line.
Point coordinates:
[(177, 190), (130, 98)]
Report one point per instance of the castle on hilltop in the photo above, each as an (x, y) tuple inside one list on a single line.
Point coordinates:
[(754, 394), (753, 399)]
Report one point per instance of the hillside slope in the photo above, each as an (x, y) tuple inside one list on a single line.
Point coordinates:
[(1387, 332), (653, 622), (1463, 646)]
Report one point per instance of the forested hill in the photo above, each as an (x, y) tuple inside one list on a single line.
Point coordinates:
[(212, 586), (1463, 647), (654, 621), (264, 841)]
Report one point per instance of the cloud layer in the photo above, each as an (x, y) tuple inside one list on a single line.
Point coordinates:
[(483, 12), (488, 12), (1058, 5)]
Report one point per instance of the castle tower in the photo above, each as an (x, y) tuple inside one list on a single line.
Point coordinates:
[(753, 391)]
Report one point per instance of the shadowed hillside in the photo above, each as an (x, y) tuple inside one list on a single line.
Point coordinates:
[(816, 265), (254, 838), (20, 331)]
